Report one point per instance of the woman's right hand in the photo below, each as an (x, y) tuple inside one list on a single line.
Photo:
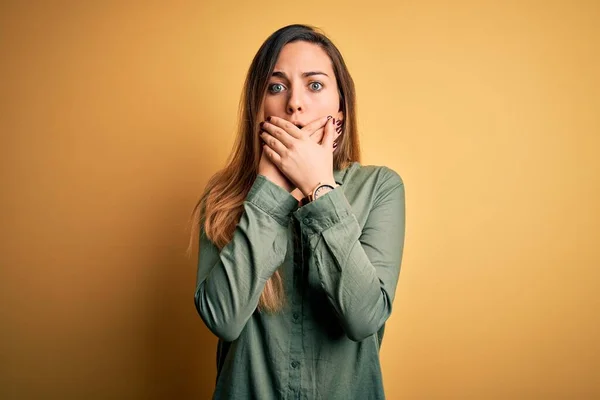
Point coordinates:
[(315, 130)]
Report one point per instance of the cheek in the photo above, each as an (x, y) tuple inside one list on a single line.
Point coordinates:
[(267, 104), (329, 103), (272, 105)]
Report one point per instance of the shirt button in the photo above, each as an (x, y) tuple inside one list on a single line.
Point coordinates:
[(306, 221), (296, 315), (295, 364)]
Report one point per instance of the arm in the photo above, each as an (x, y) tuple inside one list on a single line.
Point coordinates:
[(229, 283), (358, 270)]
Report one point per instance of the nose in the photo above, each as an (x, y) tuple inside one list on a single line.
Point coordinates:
[(295, 102)]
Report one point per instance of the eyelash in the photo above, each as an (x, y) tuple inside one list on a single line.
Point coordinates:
[(270, 88)]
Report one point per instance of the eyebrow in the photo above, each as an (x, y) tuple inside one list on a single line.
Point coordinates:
[(281, 74)]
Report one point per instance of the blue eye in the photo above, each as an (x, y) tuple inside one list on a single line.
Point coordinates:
[(276, 88), (316, 86)]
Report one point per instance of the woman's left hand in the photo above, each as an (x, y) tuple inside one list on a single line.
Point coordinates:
[(303, 161)]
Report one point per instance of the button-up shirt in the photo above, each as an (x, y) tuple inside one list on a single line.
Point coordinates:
[(339, 257)]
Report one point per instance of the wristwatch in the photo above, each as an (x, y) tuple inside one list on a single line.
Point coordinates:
[(320, 190)]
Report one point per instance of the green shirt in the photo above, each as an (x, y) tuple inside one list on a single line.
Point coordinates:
[(340, 258)]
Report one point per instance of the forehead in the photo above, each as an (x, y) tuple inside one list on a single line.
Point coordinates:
[(302, 57)]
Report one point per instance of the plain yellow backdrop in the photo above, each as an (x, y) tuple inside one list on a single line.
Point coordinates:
[(115, 114)]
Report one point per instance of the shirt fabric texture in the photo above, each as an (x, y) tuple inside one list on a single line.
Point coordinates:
[(339, 257)]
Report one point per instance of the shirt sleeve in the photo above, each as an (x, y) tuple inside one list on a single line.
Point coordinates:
[(358, 269), (229, 282)]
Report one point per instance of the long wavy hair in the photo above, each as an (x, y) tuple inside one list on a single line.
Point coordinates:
[(221, 205)]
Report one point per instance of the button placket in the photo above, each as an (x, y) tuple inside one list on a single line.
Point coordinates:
[(296, 341)]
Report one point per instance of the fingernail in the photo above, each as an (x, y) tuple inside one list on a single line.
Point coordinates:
[(339, 122), (261, 124), (329, 117), (333, 121), (269, 119), (334, 145), (338, 130)]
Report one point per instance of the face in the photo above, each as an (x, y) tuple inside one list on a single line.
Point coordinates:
[(302, 87)]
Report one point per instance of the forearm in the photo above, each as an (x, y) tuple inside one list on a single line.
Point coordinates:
[(358, 268), (230, 281)]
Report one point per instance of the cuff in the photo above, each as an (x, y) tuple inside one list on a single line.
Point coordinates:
[(324, 212), (272, 199)]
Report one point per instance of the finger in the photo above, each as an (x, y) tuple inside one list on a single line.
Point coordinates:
[(273, 156), (273, 143), (336, 140), (317, 135), (278, 133), (315, 125), (284, 126), (320, 130), (338, 133), (329, 134)]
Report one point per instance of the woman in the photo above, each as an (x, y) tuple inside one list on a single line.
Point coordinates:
[(300, 245)]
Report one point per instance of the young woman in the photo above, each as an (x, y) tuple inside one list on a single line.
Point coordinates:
[(300, 244)]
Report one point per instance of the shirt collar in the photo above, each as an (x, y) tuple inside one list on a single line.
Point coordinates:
[(340, 174)]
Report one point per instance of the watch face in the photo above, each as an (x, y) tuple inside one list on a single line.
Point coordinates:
[(323, 189)]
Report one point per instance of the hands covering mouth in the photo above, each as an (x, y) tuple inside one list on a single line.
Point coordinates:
[(296, 154)]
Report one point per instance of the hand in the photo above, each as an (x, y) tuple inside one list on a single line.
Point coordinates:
[(315, 131), (304, 162), (317, 135), (271, 172)]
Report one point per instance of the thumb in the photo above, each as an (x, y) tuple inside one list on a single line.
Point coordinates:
[(329, 133)]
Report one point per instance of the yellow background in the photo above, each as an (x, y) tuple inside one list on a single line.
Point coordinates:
[(114, 115)]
